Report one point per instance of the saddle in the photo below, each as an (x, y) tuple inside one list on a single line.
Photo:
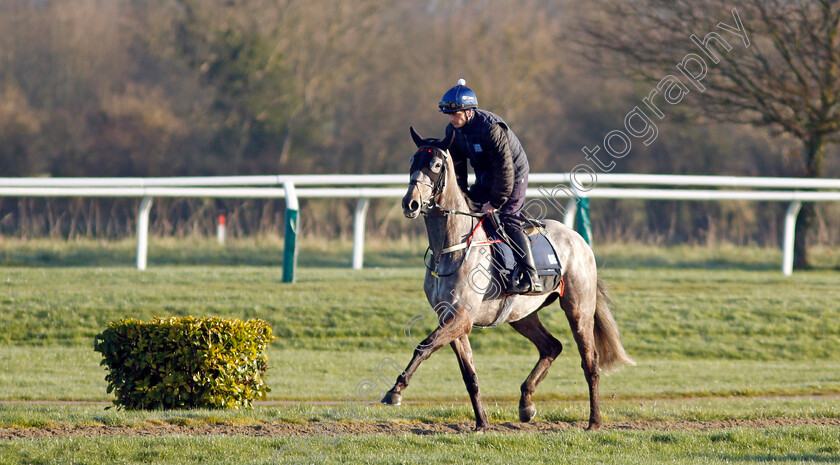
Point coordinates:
[(545, 257)]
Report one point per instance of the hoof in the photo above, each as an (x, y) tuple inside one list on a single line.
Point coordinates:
[(527, 414), (593, 427), (392, 398)]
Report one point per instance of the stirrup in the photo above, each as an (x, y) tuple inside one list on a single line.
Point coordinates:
[(526, 284), (536, 284)]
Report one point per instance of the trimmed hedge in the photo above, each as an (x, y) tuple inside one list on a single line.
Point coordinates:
[(185, 362)]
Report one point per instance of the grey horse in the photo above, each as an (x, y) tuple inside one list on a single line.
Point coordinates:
[(462, 285)]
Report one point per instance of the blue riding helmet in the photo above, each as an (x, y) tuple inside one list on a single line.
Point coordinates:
[(458, 98)]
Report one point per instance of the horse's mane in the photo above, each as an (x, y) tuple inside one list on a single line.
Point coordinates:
[(451, 163)]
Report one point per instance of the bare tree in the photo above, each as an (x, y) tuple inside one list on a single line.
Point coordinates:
[(767, 63)]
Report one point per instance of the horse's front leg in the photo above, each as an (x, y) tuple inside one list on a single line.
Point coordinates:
[(463, 351), (456, 325)]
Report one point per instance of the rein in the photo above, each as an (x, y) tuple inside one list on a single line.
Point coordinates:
[(523, 218), (467, 244)]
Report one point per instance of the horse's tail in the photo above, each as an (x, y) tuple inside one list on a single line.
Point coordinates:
[(611, 354)]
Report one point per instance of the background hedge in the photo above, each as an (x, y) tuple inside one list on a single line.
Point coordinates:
[(185, 362)]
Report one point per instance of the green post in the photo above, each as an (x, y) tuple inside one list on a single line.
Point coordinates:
[(290, 252), (582, 225)]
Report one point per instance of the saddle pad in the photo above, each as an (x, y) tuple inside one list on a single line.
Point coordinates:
[(545, 258)]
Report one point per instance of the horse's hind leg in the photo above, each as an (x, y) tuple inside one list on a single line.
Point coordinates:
[(549, 348), (583, 330)]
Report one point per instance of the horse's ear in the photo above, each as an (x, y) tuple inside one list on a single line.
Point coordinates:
[(418, 141), (446, 142)]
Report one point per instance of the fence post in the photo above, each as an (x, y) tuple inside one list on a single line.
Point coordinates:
[(359, 232), (143, 231), (583, 227), (578, 209), (290, 252), (790, 236), (220, 229), (570, 213)]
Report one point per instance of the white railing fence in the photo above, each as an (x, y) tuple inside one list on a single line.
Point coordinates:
[(549, 186)]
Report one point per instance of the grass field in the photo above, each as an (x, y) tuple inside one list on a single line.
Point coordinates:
[(775, 445), (718, 334)]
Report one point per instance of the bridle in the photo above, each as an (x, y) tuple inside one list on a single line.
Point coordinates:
[(438, 178), (435, 212)]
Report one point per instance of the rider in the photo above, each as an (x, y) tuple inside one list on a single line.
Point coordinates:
[(501, 171)]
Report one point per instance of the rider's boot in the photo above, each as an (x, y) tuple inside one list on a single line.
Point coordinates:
[(530, 280)]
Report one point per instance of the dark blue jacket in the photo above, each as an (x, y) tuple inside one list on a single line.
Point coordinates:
[(494, 152)]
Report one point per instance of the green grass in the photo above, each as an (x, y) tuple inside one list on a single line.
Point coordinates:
[(268, 251), (671, 313), (717, 257), (51, 415), (789, 445), (703, 323), (265, 251), (728, 314), (73, 373), (696, 332)]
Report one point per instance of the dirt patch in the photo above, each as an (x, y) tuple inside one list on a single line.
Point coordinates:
[(420, 429)]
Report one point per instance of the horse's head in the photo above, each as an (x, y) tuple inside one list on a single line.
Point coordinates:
[(428, 173)]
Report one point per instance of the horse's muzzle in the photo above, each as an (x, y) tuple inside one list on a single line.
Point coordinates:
[(411, 208)]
